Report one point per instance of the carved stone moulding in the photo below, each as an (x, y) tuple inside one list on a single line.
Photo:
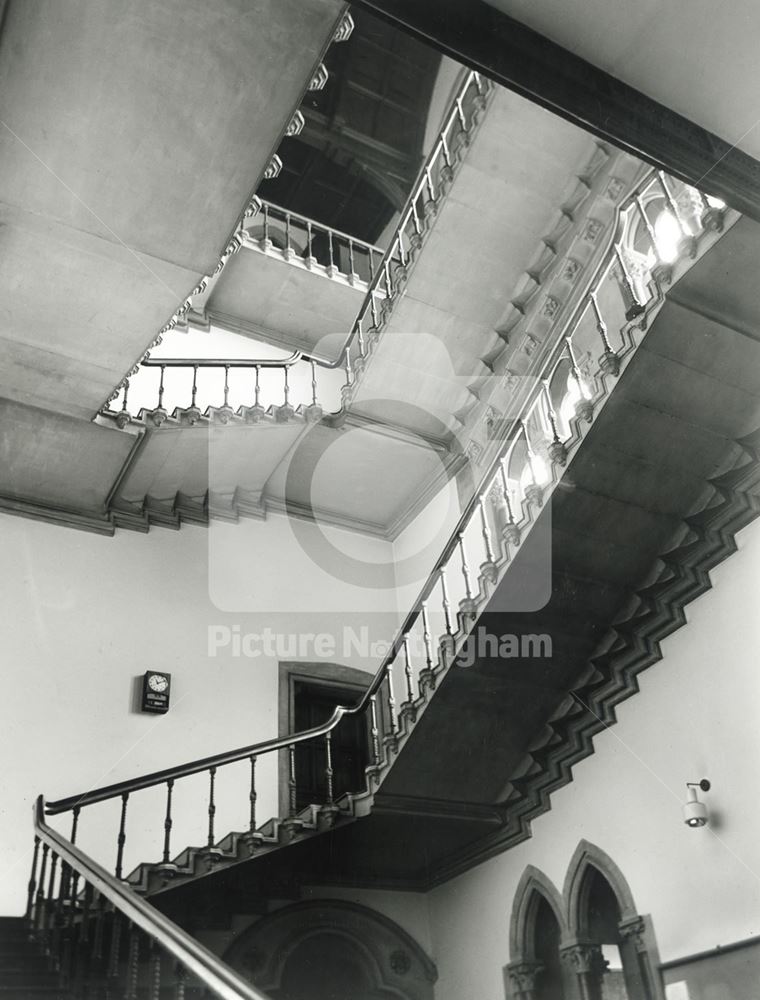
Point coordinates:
[(273, 169), (320, 78), (295, 125), (345, 28)]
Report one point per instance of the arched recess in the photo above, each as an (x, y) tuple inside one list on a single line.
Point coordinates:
[(590, 869), (534, 971), (339, 948)]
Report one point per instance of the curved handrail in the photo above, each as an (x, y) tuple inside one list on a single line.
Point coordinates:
[(193, 956), (284, 742)]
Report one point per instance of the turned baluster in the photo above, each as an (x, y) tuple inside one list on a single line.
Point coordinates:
[(328, 768), (635, 308), (349, 372), (154, 990), (112, 967), (292, 789), (211, 807), (252, 796), (392, 721), (506, 494), (446, 603), (360, 338), (351, 261), (557, 450), (133, 963), (194, 393), (257, 388), (688, 240), (373, 310), (374, 731), (486, 531), (50, 902), (287, 235), (429, 185), (266, 223), (313, 384), (661, 270), (122, 837), (371, 265), (39, 903), (389, 291), (180, 981), (309, 238), (609, 361), (32, 885), (161, 388), (408, 672), (465, 569), (286, 386), (460, 114), (427, 637), (124, 409), (330, 253), (226, 386), (168, 822)]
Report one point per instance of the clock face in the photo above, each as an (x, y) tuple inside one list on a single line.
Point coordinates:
[(157, 682)]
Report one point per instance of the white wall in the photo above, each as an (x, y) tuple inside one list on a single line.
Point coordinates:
[(696, 716), (85, 615)]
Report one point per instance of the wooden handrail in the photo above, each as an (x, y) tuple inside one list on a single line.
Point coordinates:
[(193, 956), (282, 742)]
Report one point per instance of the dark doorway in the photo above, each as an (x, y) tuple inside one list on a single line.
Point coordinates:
[(313, 704), (549, 983)]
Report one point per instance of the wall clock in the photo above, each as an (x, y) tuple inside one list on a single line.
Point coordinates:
[(155, 691)]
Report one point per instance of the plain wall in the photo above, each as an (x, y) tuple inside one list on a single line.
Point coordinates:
[(85, 615)]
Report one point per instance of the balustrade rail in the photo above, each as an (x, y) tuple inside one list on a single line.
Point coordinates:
[(297, 237), (657, 226), (104, 940)]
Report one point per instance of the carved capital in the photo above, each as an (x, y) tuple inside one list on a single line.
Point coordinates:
[(583, 959), (634, 930), (522, 978)]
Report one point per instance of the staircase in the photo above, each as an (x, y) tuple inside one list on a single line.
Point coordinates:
[(26, 973), (648, 485)]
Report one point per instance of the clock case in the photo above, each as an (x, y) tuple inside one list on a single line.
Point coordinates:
[(155, 701)]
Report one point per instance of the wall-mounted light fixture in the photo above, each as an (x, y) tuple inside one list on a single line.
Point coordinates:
[(695, 812)]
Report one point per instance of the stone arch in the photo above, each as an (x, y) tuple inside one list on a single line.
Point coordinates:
[(588, 855), (532, 884), (391, 963)]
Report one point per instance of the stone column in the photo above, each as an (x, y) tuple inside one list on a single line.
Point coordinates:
[(585, 966), (522, 977)]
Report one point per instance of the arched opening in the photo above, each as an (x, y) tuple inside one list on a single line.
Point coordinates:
[(602, 919), (546, 940), (328, 967)]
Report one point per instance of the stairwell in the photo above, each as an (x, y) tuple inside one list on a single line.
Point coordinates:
[(647, 488)]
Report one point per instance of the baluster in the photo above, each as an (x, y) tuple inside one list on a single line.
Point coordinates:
[(195, 386), (460, 114), (511, 531), (226, 386), (373, 310), (112, 968), (584, 408), (634, 308), (63, 888), (123, 417), (161, 388), (388, 284), (68, 931), (155, 972), (557, 450), (467, 606), (168, 822), (488, 569), (288, 248), (430, 206), (446, 603), (39, 903), (292, 790), (310, 259), (211, 808), (712, 215), (427, 677), (180, 981), (50, 902), (267, 241), (351, 264), (332, 269), (360, 338), (329, 769), (409, 676), (371, 265), (349, 372), (122, 837), (688, 244), (133, 963), (661, 271), (257, 388), (374, 731), (392, 722), (286, 387), (83, 954), (533, 491), (609, 362), (32, 885), (98, 933)]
